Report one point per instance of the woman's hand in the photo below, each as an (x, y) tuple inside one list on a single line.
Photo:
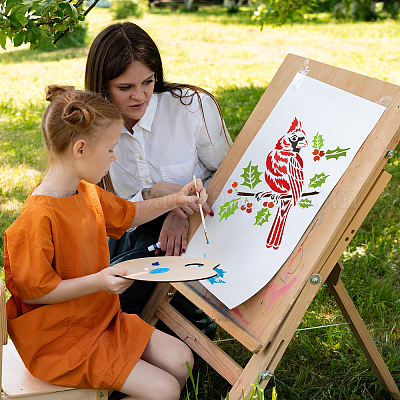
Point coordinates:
[(174, 234)]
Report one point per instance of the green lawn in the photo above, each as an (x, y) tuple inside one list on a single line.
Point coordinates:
[(229, 56)]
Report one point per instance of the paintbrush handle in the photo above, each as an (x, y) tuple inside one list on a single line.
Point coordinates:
[(201, 210)]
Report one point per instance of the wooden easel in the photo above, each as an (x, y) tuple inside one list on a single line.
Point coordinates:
[(265, 323)]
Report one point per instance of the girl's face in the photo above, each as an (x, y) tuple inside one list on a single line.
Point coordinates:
[(100, 153), (131, 92)]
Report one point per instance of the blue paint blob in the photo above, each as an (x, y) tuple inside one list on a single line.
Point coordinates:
[(208, 242), (155, 263), (159, 270), (218, 278)]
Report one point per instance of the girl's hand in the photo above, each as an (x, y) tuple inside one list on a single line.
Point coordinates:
[(110, 280), (187, 195)]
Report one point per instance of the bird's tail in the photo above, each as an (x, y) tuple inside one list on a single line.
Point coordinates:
[(275, 234)]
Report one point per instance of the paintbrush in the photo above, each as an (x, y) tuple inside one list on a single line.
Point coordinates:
[(201, 211)]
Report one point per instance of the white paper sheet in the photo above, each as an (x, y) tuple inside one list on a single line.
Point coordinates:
[(335, 123)]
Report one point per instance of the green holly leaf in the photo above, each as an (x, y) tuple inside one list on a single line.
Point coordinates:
[(318, 141), (251, 176), (228, 209), (338, 152), (262, 216), (305, 203), (317, 180)]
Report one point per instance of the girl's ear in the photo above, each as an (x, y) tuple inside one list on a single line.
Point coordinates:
[(79, 149)]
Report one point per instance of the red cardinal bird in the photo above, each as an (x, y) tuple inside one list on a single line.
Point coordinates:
[(284, 175)]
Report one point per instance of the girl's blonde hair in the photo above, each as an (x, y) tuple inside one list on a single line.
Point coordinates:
[(74, 114)]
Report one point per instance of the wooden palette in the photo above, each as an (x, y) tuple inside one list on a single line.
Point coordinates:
[(169, 269)]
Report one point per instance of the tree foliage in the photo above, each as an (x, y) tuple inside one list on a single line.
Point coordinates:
[(32, 21), (279, 12)]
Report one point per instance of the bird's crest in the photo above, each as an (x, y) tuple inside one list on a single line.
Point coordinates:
[(296, 126)]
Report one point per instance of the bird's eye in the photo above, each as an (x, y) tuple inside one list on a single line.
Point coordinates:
[(293, 138)]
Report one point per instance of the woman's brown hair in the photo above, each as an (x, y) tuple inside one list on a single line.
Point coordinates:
[(113, 51)]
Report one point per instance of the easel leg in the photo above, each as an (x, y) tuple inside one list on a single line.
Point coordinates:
[(160, 292), (360, 331)]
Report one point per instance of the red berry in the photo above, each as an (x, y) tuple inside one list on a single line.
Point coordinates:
[(316, 158), (249, 205), (234, 184), (271, 204), (265, 204), (249, 210), (230, 191), (315, 152), (321, 153), (243, 207)]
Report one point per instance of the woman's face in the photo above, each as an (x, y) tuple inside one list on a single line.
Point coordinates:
[(131, 92)]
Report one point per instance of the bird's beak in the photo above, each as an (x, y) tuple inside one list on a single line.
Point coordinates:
[(302, 143)]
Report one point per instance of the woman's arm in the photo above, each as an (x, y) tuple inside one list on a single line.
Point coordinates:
[(108, 279)]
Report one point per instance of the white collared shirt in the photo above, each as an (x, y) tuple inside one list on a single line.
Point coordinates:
[(169, 143)]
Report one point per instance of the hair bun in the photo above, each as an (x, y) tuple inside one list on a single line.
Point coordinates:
[(78, 115), (53, 91)]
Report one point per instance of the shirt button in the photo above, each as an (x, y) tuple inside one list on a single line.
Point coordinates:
[(140, 158), (147, 182)]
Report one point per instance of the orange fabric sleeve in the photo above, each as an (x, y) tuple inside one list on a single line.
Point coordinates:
[(118, 213), (30, 251)]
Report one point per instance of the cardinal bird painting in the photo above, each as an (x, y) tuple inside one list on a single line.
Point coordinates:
[(284, 175)]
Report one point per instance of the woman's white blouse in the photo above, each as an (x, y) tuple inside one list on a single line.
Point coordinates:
[(169, 143)]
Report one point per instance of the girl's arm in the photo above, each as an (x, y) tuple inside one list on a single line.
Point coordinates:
[(147, 210), (108, 279)]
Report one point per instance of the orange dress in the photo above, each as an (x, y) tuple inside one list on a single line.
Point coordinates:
[(86, 342)]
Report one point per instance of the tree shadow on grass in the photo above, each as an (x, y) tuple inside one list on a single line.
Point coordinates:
[(26, 55)]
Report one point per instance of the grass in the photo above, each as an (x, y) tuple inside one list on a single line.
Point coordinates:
[(229, 56)]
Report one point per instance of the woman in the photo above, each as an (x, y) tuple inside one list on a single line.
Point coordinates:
[(171, 132)]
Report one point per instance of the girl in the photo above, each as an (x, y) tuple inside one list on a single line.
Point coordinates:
[(64, 315), (171, 132)]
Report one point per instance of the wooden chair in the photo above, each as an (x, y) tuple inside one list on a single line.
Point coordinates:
[(17, 382)]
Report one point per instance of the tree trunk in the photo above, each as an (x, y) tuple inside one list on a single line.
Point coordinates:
[(354, 11), (188, 4), (373, 7), (339, 9)]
